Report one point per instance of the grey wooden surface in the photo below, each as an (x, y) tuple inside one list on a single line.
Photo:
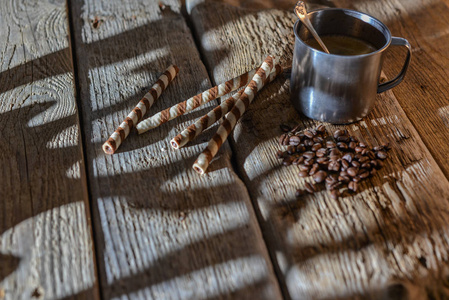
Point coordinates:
[(46, 245), (140, 224)]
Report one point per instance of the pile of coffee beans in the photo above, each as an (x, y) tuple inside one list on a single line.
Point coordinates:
[(339, 161)]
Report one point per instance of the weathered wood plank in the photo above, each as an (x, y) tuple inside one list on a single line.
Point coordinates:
[(46, 247), (388, 240), (163, 231)]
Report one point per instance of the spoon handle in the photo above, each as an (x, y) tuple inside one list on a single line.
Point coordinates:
[(315, 34)]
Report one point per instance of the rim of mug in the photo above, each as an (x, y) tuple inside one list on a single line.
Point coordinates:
[(355, 14)]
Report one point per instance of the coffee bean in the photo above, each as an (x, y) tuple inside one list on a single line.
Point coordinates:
[(309, 154), (287, 161), (364, 174), (342, 146), (363, 159), (308, 143), (363, 145), (294, 140), (280, 154), (299, 193), (282, 139), (300, 148), (358, 149), (299, 160), (315, 168), (386, 146), (331, 178), (343, 138), (344, 164), (352, 171), (335, 194), (318, 139), (348, 157), (334, 166), (320, 153), (364, 151), (335, 152), (371, 154), (354, 139), (366, 165), (309, 134), (291, 149), (310, 188), (338, 133), (320, 176), (355, 164), (322, 160), (330, 144), (320, 128), (372, 172), (309, 162), (357, 156), (378, 148), (344, 179), (382, 155), (296, 128), (316, 146), (356, 179), (285, 128), (305, 168), (352, 145), (303, 174), (353, 186)]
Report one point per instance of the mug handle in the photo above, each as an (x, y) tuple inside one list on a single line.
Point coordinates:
[(397, 41)]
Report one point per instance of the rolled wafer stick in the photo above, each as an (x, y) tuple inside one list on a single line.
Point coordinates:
[(134, 117), (214, 115), (194, 102), (232, 117)]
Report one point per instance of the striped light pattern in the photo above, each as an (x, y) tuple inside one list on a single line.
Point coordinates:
[(134, 117)]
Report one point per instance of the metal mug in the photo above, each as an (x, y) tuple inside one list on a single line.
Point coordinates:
[(341, 89)]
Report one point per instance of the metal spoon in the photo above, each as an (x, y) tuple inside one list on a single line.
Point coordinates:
[(301, 12)]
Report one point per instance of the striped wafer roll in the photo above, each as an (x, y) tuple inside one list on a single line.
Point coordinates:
[(194, 102), (134, 117), (214, 115), (232, 117)]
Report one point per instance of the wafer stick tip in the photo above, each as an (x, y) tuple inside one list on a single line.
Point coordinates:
[(108, 149), (199, 169), (174, 144)]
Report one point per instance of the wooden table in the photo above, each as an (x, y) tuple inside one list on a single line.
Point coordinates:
[(141, 224)]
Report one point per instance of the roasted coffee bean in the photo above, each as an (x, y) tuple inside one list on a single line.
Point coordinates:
[(366, 165), (353, 186), (382, 155), (322, 160), (344, 179), (308, 143), (287, 161), (310, 188), (314, 169), (320, 128), (335, 194), (342, 146), (299, 193), (357, 156), (352, 145), (364, 174), (335, 152), (343, 138), (318, 139), (371, 154), (363, 159), (305, 168), (378, 148), (280, 154), (372, 172), (309, 154), (354, 139), (364, 151), (319, 176), (355, 164), (386, 146), (358, 149), (282, 139), (291, 149), (285, 128), (320, 153), (309, 162), (338, 133), (294, 140), (309, 134), (300, 148), (348, 157), (362, 144), (303, 174), (331, 178), (356, 179), (344, 164), (316, 146), (299, 160), (352, 171), (334, 166), (330, 144)]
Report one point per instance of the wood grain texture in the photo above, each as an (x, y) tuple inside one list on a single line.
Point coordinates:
[(46, 247), (425, 24), (388, 241), (163, 231)]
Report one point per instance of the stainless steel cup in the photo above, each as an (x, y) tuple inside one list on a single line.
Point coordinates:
[(337, 88)]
